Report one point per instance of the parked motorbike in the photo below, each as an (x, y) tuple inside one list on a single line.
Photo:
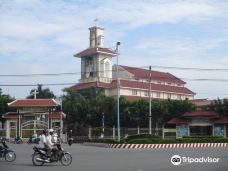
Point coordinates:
[(6, 153), (70, 141), (33, 139), (39, 156), (18, 140)]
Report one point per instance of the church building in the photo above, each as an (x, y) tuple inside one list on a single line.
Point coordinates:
[(97, 70)]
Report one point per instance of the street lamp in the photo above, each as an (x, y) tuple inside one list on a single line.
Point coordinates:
[(118, 92), (150, 117)]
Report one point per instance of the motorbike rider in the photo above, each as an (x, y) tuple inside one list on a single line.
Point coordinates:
[(44, 144), (51, 141)]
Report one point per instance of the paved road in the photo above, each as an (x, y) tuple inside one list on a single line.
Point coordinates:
[(104, 159)]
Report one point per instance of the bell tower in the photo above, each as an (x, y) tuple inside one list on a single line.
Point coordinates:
[(96, 36), (96, 61)]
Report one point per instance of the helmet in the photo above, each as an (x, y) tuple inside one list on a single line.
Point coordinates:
[(51, 130)]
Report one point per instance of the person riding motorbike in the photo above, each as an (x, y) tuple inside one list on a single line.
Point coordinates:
[(44, 144), (51, 142)]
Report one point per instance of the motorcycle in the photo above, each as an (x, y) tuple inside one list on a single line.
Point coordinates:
[(6, 153), (70, 141), (18, 140), (39, 156), (33, 139)]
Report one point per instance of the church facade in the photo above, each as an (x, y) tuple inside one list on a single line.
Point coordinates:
[(97, 70)]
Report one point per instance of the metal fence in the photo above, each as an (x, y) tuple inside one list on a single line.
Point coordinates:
[(111, 133)]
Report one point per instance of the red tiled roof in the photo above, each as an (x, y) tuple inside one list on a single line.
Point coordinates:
[(33, 103), (144, 73), (10, 115), (201, 102), (178, 121), (14, 115), (95, 50), (81, 86), (200, 114), (56, 115), (221, 121), (135, 85)]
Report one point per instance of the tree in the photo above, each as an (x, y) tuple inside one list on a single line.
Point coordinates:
[(220, 106), (4, 100), (42, 93)]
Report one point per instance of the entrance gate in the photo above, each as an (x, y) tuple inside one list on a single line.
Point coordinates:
[(31, 127)]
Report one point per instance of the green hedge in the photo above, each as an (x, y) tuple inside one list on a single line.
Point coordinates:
[(104, 140), (172, 141), (149, 139), (213, 137), (141, 136)]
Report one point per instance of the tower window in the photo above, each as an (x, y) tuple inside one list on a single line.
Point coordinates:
[(107, 69)]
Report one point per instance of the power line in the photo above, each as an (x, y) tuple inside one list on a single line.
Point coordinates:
[(184, 68), (130, 69)]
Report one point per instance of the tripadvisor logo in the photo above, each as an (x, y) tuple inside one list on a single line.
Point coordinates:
[(177, 160)]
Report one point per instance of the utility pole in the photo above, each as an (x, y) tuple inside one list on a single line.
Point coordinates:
[(150, 119), (118, 92)]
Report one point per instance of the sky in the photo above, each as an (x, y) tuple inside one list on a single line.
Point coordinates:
[(41, 36)]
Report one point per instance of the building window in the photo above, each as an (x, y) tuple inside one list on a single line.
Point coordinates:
[(158, 95), (169, 83), (107, 69), (169, 96), (158, 82), (179, 97), (146, 93), (134, 92)]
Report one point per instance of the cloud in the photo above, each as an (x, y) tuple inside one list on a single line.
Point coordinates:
[(180, 46), (40, 36), (140, 13)]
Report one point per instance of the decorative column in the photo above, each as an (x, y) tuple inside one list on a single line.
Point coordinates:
[(7, 129), (225, 130)]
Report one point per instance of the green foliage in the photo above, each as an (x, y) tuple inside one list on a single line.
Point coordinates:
[(85, 108), (42, 93), (4, 99), (141, 136), (220, 106), (139, 141), (103, 140), (213, 137), (172, 141)]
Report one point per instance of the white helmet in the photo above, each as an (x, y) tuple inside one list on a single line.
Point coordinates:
[(51, 130)]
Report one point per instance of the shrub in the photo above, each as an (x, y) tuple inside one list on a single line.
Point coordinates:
[(105, 140), (139, 141)]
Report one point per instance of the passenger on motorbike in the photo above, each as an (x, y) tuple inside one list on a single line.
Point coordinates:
[(44, 144), (51, 142)]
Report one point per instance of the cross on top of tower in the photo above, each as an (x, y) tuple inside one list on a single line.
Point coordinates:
[(96, 20)]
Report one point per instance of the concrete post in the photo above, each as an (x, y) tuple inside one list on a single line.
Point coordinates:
[(89, 132), (7, 129), (113, 132), (213, 128), (138, 131), (163, 133), (225, 130)]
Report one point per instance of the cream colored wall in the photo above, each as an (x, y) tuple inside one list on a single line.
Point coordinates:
[(140, 93)]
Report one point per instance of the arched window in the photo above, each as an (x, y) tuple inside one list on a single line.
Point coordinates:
[(107, 69)]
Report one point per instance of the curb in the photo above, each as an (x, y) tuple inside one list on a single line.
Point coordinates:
[(187, 145)]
